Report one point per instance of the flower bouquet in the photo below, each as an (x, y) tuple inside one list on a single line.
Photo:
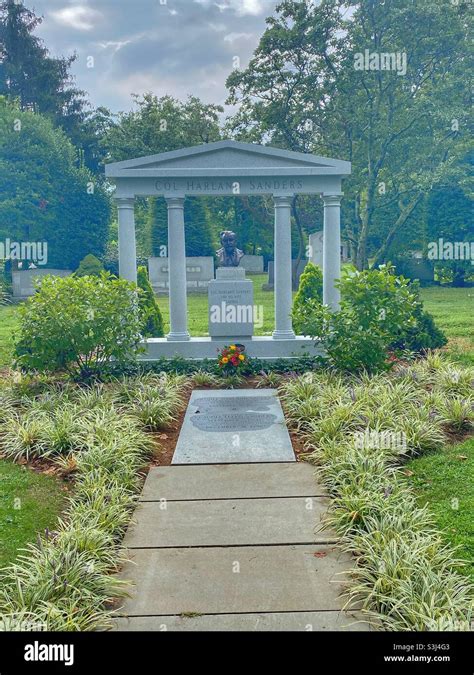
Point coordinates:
[(232, 358)]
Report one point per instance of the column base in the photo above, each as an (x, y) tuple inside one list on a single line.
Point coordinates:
[(283, 335), (178, 337)]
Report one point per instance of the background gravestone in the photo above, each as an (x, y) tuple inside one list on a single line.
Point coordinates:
[(199, 272), (252, 264), (23, 280), (271, 274)]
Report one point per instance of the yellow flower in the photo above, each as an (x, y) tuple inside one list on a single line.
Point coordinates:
[(225, 359), (233, 347), (241, 357)]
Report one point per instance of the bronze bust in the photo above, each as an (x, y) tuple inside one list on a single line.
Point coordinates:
[(229, 255)]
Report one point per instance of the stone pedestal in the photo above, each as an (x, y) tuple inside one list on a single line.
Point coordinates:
[(231, 309)]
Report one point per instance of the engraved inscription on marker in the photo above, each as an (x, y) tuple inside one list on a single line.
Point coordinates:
[(234, 413), (249, 421)]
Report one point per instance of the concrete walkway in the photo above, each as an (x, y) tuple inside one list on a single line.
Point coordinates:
[(233, 547)]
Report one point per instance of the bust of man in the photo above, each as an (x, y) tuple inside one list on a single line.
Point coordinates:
[(229, 255)]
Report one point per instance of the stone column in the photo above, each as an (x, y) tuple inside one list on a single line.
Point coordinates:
[(127, 243), (332, 250), (283, 270), (177, 270)]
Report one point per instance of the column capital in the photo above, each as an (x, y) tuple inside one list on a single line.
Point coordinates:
[(125, 202), (282, 201), (332, 199), (175, 202)]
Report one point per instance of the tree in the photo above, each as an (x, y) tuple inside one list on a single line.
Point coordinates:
[(152, 320), (449, 217), (44, 196), (37, 82), (402, 131), (90, 266), (310, 288), (161, 125)]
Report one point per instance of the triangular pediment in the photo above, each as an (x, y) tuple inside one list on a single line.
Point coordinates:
[(225, 157)]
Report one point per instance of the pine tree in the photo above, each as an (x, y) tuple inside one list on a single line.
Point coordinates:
[(151, 313), (311, 287), (90, 266)]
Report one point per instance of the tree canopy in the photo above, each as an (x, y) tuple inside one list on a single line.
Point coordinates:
[(44, 195), (404, 128)]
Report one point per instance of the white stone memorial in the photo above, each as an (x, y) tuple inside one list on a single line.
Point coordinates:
[(229, 168), (231, 308)]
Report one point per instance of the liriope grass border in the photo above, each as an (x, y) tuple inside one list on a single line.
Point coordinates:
[(404, 577), (67, 580)]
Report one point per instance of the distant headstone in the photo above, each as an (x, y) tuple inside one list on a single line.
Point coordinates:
[(316, 241), (23, 280), (253, 264), (199, 272), (271, 274)]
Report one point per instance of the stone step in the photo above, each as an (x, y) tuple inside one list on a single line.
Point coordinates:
[(232, 580), (230, 522), (283, 621), (231, 481)]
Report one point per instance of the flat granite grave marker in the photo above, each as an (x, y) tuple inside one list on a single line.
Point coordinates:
[(242, 425)]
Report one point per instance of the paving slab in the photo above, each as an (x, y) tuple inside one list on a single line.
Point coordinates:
[(229, 426), (283, 621), (231, 481), (230, 522), (232, 580)]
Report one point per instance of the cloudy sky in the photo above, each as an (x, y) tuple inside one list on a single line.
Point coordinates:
[(176, 47)]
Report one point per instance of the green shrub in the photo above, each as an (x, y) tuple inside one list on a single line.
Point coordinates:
[(374, 304), (310, 288), (424, 334), (152, 321), (90, 266), (78, 325)]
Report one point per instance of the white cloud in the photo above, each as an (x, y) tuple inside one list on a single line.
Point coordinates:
[(236, 37), (240, 7), (77, 16)]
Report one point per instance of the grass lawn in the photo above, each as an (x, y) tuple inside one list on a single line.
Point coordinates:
[(453, 311), (29, 502), (8, 323), (445, 481)]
